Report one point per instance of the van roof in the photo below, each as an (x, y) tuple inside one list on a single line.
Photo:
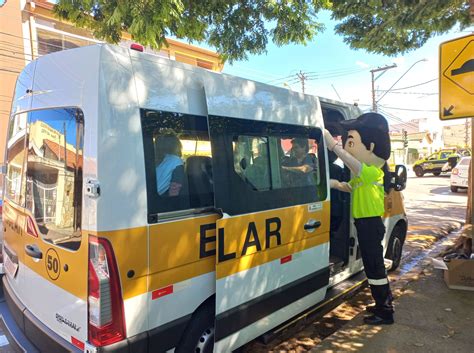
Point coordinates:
[(168, 85)]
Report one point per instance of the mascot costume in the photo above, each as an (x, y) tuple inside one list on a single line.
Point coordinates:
[(366, 149)]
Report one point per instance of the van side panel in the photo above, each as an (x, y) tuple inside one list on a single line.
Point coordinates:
[(169, 86), (181, 257), (121, 214), (120, 163)]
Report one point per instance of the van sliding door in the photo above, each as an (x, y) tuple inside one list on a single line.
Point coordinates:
[(273, 238)]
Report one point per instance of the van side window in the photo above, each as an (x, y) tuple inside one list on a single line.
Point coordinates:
[(16, 142), (252, 161), (54, 174), (265, 165), (178, 162)]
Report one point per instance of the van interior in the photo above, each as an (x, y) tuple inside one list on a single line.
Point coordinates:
[(340, 242)]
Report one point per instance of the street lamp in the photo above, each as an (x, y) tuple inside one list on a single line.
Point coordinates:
[(416, 62)]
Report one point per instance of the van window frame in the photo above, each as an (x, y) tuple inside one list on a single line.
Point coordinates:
[(80, 127), (21, 201), (154, 213), (239, 197)]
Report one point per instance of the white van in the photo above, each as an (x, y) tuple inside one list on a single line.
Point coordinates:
[(149, 205)]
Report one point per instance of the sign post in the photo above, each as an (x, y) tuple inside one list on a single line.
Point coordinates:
[(456, 92)]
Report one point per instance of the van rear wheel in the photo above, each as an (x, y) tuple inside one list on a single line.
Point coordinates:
[(199, 335)]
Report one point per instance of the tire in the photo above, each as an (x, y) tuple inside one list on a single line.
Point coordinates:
[(199, 335), (454, 188), (436, 173), (418, 171), (395, 246)]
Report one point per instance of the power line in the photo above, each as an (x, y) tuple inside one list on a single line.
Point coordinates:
[(409, 109), (419, 84), (415, 93), (293, 78)]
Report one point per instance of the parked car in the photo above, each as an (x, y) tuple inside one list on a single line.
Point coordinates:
[(460, 174)]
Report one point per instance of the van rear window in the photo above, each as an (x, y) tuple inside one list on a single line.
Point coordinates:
[(54, 162)]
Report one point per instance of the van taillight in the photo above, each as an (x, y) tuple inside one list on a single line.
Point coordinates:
[(455, 171), (106, 314)]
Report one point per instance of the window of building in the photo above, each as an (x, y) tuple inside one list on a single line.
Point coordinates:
[(265, 165), (54, 174), (50, 42), (177, 162)]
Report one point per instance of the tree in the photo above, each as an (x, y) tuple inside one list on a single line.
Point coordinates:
[(237, 28), (392, 27), (234, 27)]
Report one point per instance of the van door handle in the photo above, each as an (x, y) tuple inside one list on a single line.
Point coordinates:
[(312, 225), (33, 251)]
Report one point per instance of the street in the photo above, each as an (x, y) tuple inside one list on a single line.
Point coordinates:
[(429, 203)]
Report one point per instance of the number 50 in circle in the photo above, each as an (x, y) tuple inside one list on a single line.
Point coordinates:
[(53, 265)]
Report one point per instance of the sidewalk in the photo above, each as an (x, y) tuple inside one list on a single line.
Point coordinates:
[(429, 317)]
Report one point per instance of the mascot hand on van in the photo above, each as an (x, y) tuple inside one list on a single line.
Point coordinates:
[(365, 150)]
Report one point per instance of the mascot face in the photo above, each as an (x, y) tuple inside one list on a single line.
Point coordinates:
[(357, 149)]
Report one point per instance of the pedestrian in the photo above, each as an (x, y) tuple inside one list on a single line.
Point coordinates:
[(366, 148)]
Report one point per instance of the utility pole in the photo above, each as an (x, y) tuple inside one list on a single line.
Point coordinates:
[(302, 77), (374, 103)]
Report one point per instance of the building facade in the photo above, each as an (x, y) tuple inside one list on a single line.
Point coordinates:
[(28, 29)]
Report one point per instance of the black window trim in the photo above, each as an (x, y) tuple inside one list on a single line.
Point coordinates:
[(166, 216), (223, 168)]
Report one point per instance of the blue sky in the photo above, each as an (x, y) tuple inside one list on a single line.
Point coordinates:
[(346, 71)]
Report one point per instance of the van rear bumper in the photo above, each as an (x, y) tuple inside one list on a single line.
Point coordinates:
[(36, 332), (159, 339)]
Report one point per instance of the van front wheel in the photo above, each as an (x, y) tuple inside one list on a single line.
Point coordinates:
[(395, 247), (199, 335), (418, 171)]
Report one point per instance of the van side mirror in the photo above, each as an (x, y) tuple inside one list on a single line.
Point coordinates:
[(452, 161), (3, 169), (399, 178)]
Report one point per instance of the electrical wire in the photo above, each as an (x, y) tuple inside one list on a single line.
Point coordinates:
[(419, 84), (409, 109)]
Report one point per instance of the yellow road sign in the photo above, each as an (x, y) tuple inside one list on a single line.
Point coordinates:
[(456, 78)]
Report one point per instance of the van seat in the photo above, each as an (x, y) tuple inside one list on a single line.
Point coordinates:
[(199, 172)]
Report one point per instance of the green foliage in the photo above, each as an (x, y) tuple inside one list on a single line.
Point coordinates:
[(237, 28), (234, 27), (391, 27)]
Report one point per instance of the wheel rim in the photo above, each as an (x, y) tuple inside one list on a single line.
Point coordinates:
[(206, 341), (396, 250)]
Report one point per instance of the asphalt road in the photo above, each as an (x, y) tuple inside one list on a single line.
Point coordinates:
[(428, 200)]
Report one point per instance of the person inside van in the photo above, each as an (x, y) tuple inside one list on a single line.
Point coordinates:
[(300, 163), (170, 177)]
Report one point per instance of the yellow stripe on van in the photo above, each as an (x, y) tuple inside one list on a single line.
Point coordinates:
[(293, 236), (72, 269), (176, 250), (394, 204), (131, 253)]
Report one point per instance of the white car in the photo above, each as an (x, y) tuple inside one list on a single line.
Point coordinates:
[(460, 174)]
